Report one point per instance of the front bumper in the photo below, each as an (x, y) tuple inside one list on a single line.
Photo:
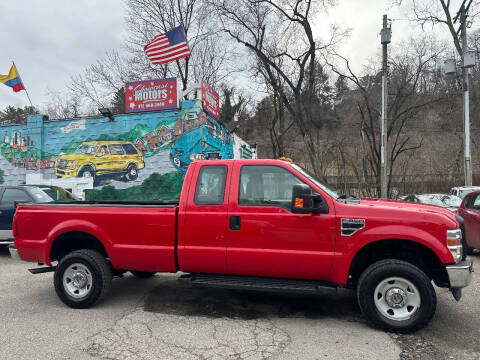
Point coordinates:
[(14, 252), (460, 275)]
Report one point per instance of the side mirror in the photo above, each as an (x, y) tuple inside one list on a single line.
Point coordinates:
[(304, 202)]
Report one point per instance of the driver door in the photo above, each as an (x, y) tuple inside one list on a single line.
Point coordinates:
[(265, 238)]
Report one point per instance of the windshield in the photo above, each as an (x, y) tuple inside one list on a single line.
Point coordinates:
[(86, 149), (440, 200), (40, 196), (322, 186)]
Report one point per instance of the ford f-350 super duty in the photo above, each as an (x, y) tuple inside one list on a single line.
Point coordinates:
[(257, 225)]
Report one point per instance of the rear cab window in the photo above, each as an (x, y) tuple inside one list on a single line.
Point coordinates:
[(210, 188)]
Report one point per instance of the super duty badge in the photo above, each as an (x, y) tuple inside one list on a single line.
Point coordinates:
[(351, 226)]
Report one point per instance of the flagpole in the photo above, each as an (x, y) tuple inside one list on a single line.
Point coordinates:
[(24, 88)]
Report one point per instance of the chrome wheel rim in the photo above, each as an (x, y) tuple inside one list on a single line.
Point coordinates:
[(77, 280), (133, 171), (397, 298), (87, 174)]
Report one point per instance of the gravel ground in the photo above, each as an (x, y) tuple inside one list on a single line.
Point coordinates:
[(159, 318)]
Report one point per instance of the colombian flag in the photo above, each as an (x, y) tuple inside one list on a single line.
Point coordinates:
[(12, 79)]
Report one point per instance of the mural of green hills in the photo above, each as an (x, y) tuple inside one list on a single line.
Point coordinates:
[(155, 187)]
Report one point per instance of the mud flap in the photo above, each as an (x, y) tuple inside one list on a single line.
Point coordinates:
[(457, 293)]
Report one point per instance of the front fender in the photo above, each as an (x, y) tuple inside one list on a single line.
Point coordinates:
[(348, 247), (78, 226)]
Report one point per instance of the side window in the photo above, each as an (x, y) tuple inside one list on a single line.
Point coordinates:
[(210, 188), (116, 149), (12, 195), (264, 185), (473, 202), (130, 149)]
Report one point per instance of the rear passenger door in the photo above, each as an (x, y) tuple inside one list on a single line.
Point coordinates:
[(205, 227), (7, 208)]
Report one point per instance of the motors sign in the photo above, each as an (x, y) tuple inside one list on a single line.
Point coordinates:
[(151, 95), (210, 100)]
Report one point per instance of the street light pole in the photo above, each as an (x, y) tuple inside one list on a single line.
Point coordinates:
[(386, 35), (466, 104)]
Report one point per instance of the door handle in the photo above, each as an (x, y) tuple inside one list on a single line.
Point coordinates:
[(234, 222)]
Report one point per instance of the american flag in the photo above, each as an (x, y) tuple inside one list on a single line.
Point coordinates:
[(168, 47)]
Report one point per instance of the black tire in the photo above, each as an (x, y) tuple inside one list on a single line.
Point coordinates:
[(132, 172), (99, 270), (142, 274), (87, 172), (377, 273)]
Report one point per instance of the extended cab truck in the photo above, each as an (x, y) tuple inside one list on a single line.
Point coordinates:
[(255, 224)]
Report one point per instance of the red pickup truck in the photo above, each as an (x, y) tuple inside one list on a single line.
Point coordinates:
[(257, 225)]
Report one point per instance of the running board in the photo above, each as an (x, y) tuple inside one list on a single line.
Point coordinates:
[(259, 283), (42, 270)]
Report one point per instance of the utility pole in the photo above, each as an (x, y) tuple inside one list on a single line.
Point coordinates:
[(466, 100), (386, 35)]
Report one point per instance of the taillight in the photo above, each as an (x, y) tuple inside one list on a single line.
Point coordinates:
[(14, 226)]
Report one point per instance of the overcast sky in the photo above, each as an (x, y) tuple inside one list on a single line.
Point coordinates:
[(52, 40)]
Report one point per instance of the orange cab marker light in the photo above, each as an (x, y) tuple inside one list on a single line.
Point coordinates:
[(286, 159), (298, 203)]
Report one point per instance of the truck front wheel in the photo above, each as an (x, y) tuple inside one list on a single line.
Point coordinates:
[(396, 296), (82, 278)]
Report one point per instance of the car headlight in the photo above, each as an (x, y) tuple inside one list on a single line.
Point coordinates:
[(454, 244)]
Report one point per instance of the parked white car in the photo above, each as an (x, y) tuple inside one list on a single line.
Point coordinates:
[(461, 191)]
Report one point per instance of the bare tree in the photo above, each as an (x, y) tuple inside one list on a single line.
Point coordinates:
[(62, 105), (210, 53), (280, 36), (413, 88), (446, 13), (99, 82)]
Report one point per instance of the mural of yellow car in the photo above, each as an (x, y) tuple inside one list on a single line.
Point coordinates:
[(94, 158)]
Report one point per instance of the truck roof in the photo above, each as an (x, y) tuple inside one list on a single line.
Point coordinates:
[(246, 161)]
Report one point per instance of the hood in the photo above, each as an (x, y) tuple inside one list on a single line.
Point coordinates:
[(411, 207)]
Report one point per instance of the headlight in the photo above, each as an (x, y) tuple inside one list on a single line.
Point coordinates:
[(71, 164), (454, 244)]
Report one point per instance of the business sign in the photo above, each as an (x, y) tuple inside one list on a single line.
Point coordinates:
[(210, 100), (151, 95)]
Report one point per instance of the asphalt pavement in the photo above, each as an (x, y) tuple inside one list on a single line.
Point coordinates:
[(159, 318)]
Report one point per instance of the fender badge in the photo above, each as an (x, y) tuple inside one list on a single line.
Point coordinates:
[(351, 226)]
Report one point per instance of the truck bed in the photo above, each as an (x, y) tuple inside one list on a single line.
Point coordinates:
[(154, 203), (137, 235)]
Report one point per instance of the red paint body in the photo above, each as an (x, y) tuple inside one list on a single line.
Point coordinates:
[(271, 242)]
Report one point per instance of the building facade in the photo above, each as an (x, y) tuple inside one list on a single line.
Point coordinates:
[(137, 156)]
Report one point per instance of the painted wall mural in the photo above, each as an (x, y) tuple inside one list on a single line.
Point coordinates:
[(141, 156)]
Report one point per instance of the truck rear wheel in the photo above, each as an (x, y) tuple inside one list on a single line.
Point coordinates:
[(82, 278), (396, 296)]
